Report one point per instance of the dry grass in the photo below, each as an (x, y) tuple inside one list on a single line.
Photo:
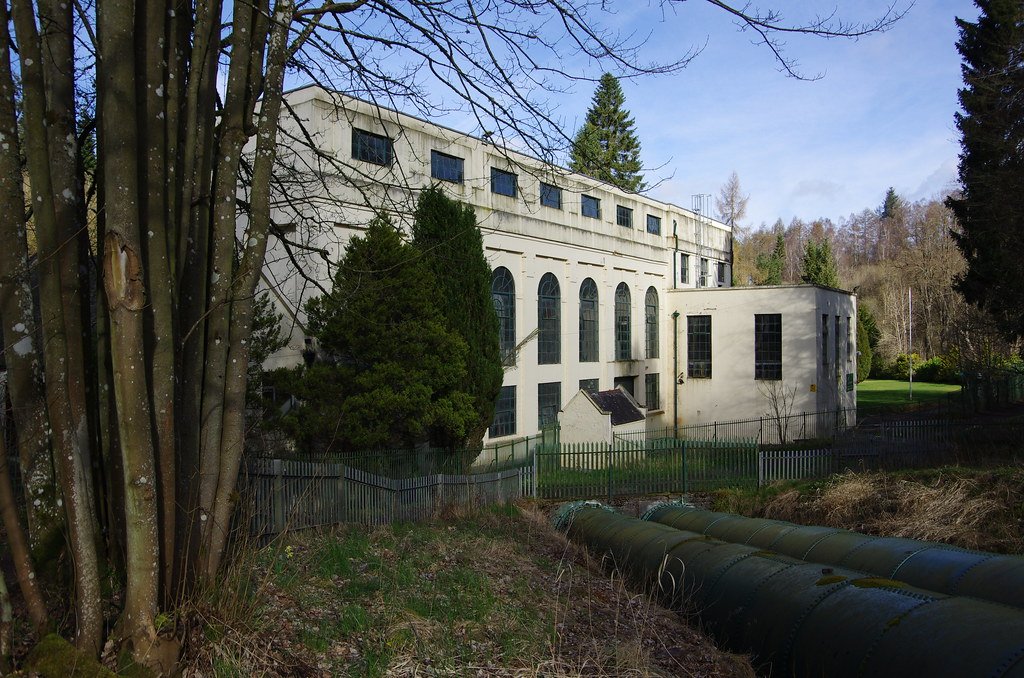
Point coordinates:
[(485, 593), (968, 508)]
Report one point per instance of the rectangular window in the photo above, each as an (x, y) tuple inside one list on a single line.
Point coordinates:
[(503, 183), (720, 272), (550, 196), (837, 348), (849, 340), (446, 167), (698, 346), (590, 385), (590, 206), (628, 383), (768, 346), (653, 398), (504, 413), (549, 401), (824, 342), (703, 282), (653, 224), (623, 216), (684, 268), (370, 147)]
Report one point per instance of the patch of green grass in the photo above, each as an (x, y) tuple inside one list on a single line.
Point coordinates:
[(891, 395)]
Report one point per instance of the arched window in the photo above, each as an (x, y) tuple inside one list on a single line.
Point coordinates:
[(503, 291), (588, 321), (622, 323), (651, 322), (549, 321)]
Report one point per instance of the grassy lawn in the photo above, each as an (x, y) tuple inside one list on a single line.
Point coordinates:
[(891, 395)]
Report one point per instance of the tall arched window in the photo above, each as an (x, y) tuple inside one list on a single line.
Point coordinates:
[(588, 322), (622, 323), (503, 291), (549, 321), (651, 322)]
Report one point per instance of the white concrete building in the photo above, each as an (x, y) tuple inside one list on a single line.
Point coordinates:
[(747, 352), (588, 274)]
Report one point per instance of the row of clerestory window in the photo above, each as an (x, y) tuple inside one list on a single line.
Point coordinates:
[(379, 150), (549, 321)]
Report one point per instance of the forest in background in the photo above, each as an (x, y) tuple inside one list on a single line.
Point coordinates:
[(881, 253)]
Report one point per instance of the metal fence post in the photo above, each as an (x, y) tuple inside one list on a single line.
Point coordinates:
[(536, 470), (278, 496)]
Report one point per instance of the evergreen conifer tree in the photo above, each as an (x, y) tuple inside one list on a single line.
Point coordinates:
[(446, 234), (771, 265), (990, 210), (606, 146), (819, 265), (393, 373)]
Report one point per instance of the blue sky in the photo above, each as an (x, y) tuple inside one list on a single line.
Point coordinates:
[(881, 114)]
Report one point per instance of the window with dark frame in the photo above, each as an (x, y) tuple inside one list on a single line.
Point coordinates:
[(623, 323), (684, 268), (720, 272), (768, 346), (504, 423), (623, 216), (503, 183), (651, 322), (550, 196), (628, 383), (446, 167), (653, 224), (837, 348), (549, 401), (824, 341), (703, 273), (503, 292), (370, 147), (588, 322), (590, 206), (849, 340), (590, 385), (651, 392), (698, 346), (549, 325)]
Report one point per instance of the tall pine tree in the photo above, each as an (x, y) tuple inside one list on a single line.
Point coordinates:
[(606, 147), (990, 210)]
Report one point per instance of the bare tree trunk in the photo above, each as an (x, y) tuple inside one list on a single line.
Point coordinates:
[(68, 430), (124, 282), (18, 546), (160, 348), (247, 276), (6, 626), (192, 274), (234, 123), (24, 366)]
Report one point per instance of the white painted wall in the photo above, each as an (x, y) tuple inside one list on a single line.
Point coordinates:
[(327, 206), (580, 421), (732, 393)]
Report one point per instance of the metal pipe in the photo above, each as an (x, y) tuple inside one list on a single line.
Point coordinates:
[(800, 618), (937, 567), (675, 373)]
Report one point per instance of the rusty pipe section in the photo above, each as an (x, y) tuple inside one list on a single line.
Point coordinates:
[(801, 618), (936, 567)]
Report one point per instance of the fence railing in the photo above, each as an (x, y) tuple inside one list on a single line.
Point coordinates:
[(765, 430), (287, 494)]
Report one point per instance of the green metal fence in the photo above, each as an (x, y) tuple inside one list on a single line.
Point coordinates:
[(654, 466)]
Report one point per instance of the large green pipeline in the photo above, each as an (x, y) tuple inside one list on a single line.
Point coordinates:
[(802, 618), (928, 565)]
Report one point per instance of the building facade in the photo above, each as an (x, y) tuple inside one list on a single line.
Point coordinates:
[(583, 271), (778, 351)]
